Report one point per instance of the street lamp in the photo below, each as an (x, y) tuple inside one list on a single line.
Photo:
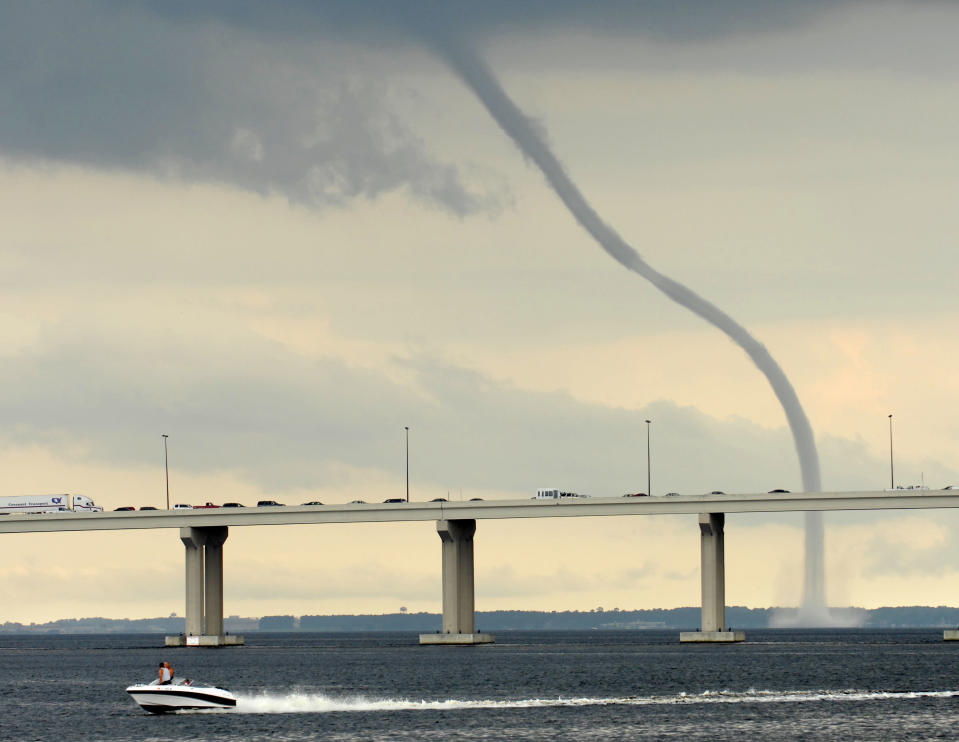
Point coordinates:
[(892, 479), (649, 479), (407, 428), (166, 467)]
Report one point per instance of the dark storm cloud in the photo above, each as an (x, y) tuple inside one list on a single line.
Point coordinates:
[(112, 87), (400, 19), (277, 97)]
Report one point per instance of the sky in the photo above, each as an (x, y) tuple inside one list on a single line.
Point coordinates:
[(282, 233)]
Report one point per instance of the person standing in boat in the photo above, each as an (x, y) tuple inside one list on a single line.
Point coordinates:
[(165, 673)]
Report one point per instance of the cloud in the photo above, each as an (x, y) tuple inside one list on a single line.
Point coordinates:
[(506, 582), (115, 88), (234, 402), (391, 20), (910, 547), (299, 99), (357, 581)]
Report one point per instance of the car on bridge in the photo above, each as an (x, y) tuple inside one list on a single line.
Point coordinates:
[(182, 506), (124, 508), (312, 502), (205, 507), (391, 500), (234, 505), (270, 504), (635, 494)]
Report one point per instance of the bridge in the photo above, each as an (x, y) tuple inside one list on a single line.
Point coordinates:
[(204, 531)]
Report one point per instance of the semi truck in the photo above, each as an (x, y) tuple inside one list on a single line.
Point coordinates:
[(554, 494), (48, 504)]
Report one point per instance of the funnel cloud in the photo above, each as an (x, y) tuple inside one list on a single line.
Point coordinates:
[(474, 72)]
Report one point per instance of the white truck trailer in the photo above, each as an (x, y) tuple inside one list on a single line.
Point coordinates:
[(549, 493), (48, 504)]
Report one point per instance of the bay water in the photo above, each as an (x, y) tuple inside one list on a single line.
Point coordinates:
[(616, 685)]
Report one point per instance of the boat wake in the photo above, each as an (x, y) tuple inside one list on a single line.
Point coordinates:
[(300, 703)]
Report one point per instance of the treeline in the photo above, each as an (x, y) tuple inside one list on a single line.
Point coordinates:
[(99, 625), (510, 621), (738, 617)]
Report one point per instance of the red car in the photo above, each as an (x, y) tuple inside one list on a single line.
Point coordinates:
[(204, 507)]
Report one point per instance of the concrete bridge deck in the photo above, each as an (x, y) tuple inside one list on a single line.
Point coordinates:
[(488, 509)]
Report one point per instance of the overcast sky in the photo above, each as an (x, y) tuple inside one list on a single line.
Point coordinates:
[(281, 233)]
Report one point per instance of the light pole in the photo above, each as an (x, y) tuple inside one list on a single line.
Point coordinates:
[(166, 467), (892, 479), (407, 428), (649, 476)]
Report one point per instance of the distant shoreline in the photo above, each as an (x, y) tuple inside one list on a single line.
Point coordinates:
[(893, 617)]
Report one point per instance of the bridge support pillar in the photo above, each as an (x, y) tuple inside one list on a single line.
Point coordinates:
[(193, 541), (204, 589), (456, 537), (713, 578), (213, 581)]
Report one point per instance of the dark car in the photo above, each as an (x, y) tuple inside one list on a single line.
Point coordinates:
[(269, 504), (778, 492), (393, 499), (717, 492), (476, 499), (439, 499), (312, 502), (234, 505), (126, 507), (635, 494), (357, 502), (148, 507)]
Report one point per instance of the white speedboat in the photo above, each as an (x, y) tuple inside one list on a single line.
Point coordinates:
[(180, 694)]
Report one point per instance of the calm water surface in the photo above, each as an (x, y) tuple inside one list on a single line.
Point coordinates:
[(785, 685)]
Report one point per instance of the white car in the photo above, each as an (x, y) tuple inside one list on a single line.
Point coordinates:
[(182, 506)]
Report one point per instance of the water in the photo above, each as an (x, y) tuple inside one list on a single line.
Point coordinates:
[(808, 685)]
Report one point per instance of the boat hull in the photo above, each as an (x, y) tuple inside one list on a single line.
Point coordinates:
[(161, 699)]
